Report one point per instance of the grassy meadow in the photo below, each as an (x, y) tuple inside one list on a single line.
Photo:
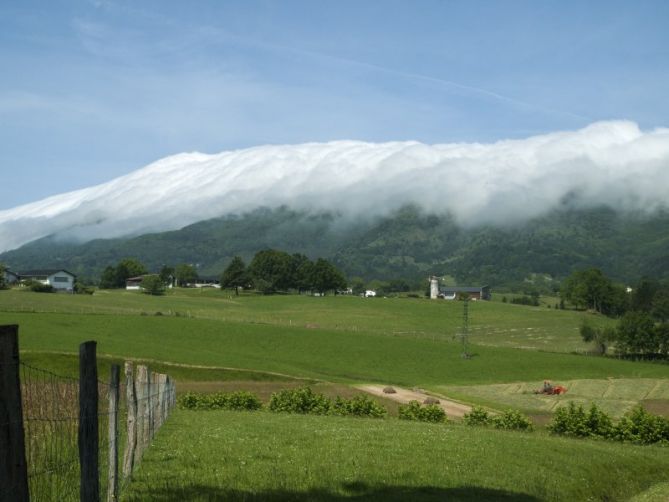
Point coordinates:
[(243, 456), (210, 340)]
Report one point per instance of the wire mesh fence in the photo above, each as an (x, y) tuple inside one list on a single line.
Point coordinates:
[(50, 405), (69, 450)]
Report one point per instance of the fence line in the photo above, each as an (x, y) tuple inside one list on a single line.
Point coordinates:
[(66, 429)]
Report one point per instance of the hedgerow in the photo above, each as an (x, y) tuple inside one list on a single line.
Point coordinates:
[(305, 401), (510, 420), (637, 426), (427, 413), (240, 400)]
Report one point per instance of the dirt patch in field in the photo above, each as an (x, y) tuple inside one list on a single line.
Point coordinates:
[(453, 409), (656, 406)]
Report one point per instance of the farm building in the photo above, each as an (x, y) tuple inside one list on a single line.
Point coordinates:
[(205, 282), (474, 292), (452, 292), (134, 283), (11, 277), (58, 279)]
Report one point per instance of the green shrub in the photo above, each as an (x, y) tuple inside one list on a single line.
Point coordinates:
[(188, 401), (478, 416), (428, 413), (359, 406), (239, 401), (574, 421), (512, 420), (302, 400), (38, 287), (639, 426)]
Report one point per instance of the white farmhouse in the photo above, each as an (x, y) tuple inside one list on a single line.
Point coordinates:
[(58, 279)]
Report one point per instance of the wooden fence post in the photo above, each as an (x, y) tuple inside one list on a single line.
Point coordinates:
[(112, 485), (13, 468), (131, 398), (89, 489), (141, 386)]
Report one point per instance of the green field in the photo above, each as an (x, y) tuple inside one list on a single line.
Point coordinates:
[(615, 396), (491, 323), (206, 456), (210, 340)]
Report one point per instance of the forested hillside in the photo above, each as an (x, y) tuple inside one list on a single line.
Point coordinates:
[(408, 244)]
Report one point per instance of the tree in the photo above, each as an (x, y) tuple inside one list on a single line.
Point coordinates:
[(662, 337), (644, 294), (270, 270), (636, 334), (600, 336), (152, 284), (660, 307), (591, 289), (185, 274), (167, 275), (108, 278), (326, 277), (301, 269), (115, 277), (3, 279), (235, 275), (357, 285)]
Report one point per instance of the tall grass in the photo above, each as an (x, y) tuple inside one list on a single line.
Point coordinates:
[(261, 456)]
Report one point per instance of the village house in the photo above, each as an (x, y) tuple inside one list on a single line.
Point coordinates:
[(58, 279), (11, 277)]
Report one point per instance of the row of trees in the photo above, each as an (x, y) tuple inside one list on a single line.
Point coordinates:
[(591, 289), (116, 276), (637, 334), (643, 312), (271, 271)]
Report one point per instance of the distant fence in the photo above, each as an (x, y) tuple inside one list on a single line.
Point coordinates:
[(60, 438)]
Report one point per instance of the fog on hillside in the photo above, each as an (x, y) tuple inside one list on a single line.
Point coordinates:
[(611, 163)]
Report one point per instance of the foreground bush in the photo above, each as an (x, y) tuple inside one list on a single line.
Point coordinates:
[(359, 406), (637, 426), (240, 400), (306, 401), (478, 416), (574, 421), (512, 420), (427, 413), (302, 400)]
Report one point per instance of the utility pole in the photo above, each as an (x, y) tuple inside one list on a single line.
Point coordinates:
[(465, 329)]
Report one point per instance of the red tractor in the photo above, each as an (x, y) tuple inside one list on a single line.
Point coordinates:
[(551, 390)]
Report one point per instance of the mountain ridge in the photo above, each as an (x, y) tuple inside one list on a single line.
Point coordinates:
[(410, 243)]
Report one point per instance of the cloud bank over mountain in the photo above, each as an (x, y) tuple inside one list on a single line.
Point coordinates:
[(612, 163)]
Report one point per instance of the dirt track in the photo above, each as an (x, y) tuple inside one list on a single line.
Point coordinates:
[(452, 409)]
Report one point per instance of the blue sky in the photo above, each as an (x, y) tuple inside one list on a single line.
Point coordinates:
[(91, 90)]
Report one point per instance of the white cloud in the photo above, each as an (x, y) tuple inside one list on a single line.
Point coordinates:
[(613, 163)]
